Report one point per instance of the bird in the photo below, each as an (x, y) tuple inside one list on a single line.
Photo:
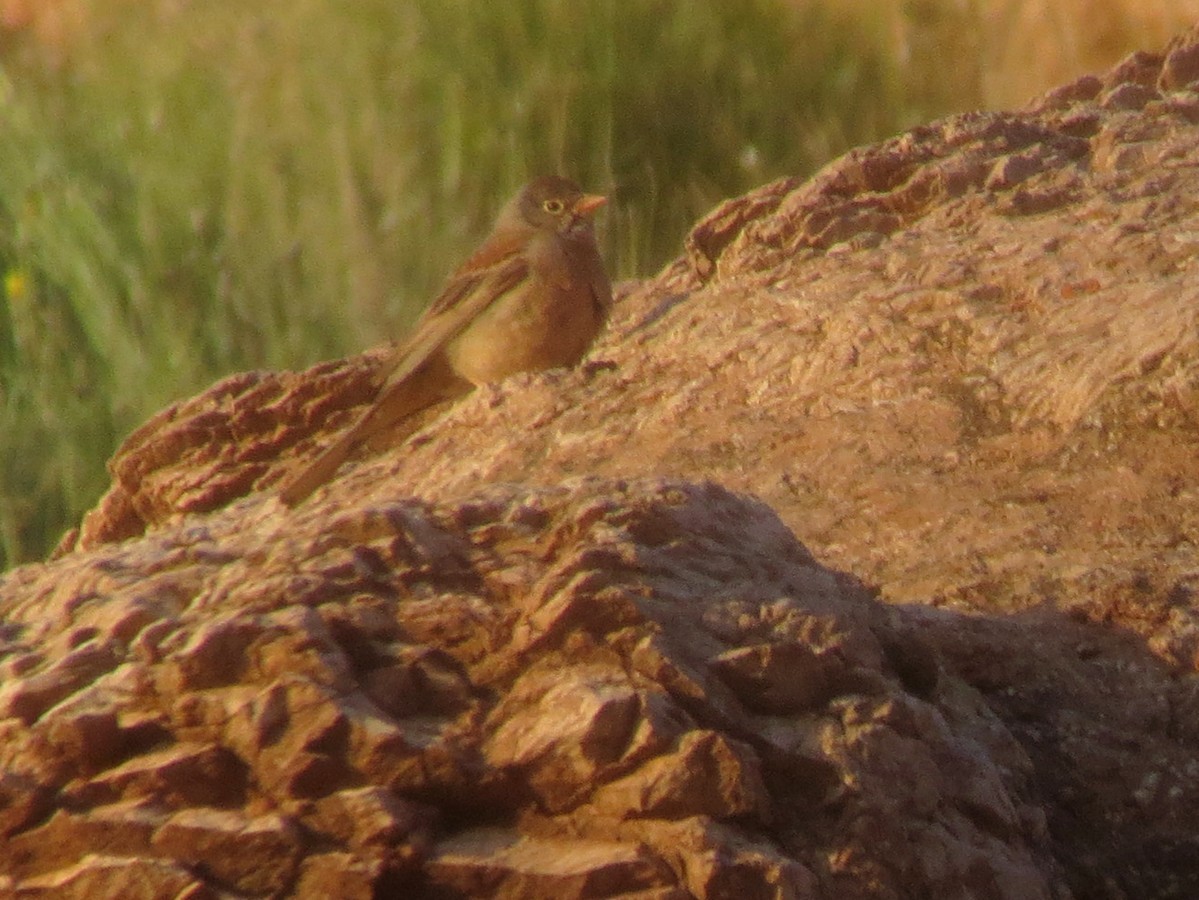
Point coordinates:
[(533, 296)]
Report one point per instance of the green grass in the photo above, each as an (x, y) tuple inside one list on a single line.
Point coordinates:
[(202, 188)]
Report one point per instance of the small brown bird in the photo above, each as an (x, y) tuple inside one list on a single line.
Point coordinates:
[(533, 296)]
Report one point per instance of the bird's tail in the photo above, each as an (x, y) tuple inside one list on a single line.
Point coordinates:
[(295, 490), (398, 400)]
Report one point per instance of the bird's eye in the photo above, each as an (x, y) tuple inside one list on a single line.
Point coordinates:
[(553, 206)]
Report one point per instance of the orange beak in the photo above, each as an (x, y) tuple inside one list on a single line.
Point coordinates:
[(589, 203)]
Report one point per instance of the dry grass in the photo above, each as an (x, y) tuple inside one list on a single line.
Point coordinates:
[(999, 54)]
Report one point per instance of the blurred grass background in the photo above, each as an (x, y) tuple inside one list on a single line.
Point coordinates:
[(189, 189)]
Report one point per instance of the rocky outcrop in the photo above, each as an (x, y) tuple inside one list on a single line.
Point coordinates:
[(597, 689), (948, 651)]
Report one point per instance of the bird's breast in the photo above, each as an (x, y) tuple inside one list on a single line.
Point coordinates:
[(546, 321)]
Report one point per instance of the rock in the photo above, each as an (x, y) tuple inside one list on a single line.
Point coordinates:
[(880, 581), (591, 732), (106, 876), (120, 830), (28, 698), (371, 816), (256, 856), (340, 875), (498, 863), (671, 663), (23, 801), (715, 861), (706, 775), (777, 678), (1181, 67), (182, 772)]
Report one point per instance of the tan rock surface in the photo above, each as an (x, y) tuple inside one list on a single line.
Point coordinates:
[(961, 366), (599, 688)]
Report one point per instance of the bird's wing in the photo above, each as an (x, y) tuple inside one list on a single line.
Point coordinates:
[(492, 271), (586, 265), (494, 254), (601, 289), (470, 291)]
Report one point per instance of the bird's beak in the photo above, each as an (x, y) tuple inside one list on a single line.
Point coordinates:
[(588, 204)]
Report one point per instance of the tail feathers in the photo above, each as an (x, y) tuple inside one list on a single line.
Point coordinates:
[(297, 488), (397, 401)]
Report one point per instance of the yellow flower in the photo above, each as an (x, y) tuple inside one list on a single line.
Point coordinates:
[(16, 284)]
